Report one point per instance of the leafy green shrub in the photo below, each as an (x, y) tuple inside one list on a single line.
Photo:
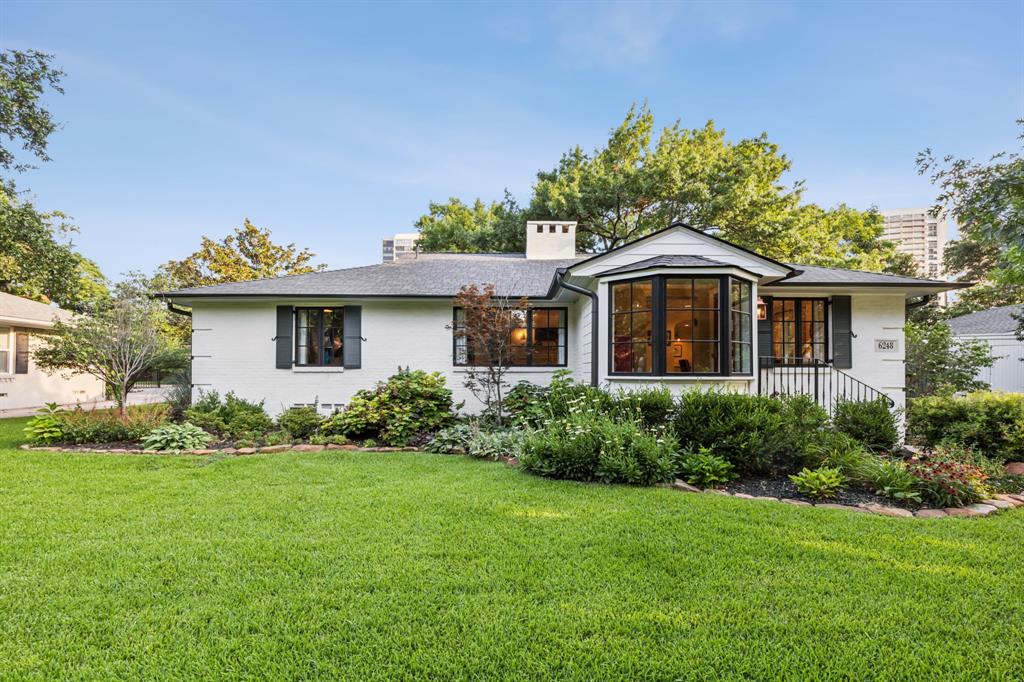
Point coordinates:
[(396, 411), (369, 443), (300, 422), (176, 437), (46, 427), (870, 422), (757, 434), (946, 482), (278, 438), (257, 423), (451, 439), (837, 450), (890, 478), (495, 444), (107, 426), (653, 406), (989, 422), (527, 403), (233, 417), (820, 483), (588, 445), (705, 469)]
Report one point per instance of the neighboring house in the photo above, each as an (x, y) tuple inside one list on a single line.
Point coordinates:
[(678, 307), (22, 384), (998, 327)]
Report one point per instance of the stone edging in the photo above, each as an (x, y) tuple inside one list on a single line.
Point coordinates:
[(301, 447), (983, 508)]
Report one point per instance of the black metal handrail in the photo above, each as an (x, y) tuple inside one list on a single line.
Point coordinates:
[(813, 377)]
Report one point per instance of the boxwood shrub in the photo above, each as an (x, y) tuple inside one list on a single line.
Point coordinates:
[(989, 422)]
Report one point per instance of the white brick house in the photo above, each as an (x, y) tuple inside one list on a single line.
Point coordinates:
[(679, 307)]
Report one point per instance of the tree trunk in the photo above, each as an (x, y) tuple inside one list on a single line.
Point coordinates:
[(122, 400)]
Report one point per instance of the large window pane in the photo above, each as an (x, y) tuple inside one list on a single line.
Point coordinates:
[(705, 325), (632, 327), (679, 293), (705, 293), (679, 357), (740, 328), (319, 337), (799, 330), (705, 358)]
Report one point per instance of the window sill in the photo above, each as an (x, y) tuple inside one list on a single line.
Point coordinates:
[(318, 370)]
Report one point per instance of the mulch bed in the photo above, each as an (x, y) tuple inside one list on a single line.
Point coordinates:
[(782, 487)]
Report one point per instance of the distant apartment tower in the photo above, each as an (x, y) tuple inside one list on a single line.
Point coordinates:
[(403, 242), (918, 233)]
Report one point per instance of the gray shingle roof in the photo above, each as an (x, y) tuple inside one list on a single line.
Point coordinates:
[(443, 274), (991, 321), (666, 262), (16, 308), (817, 274), (428, 274)]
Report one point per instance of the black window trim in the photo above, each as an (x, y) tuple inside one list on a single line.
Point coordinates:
[(319, 334), (799, 362), (658, 323), (529, 336)]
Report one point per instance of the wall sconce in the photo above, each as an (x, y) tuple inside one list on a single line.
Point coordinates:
[(518, 336), (762, 309)]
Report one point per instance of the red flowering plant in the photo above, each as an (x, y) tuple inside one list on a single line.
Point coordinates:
[(947, 481)]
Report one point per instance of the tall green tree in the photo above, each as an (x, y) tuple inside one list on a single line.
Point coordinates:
[(37, 258), (248, 253), (25, 77), (634, 185), (987, 201), (473, 228)]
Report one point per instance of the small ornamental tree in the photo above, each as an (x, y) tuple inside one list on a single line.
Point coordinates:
[(490, 332), (939, 364), (117, 342)]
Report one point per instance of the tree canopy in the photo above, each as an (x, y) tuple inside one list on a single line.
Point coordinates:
[(987, 202), (248, 253), (37, 257), (478, 228), (634, 185), (24, 79)]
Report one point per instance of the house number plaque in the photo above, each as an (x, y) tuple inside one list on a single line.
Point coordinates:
[(887, 345)]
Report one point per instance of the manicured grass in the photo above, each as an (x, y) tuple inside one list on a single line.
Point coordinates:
[(408, 565)]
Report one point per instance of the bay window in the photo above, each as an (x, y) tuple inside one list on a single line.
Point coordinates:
[(704, 326)]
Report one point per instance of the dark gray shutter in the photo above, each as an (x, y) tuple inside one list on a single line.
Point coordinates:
[(353, 349), (285, 329), (842, 333), (21, 353), (764, 331)]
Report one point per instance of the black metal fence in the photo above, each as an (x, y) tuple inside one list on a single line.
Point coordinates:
[(152, 379), (820, 380)]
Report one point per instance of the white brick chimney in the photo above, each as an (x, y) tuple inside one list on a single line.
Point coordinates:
[(550, 239)]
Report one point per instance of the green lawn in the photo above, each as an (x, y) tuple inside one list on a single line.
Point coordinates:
[(409, 565)]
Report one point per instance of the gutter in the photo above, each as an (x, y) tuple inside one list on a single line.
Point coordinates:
[(178, 311), (560, 281), (924, 300)]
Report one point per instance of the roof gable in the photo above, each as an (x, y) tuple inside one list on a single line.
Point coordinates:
[(680, 240)]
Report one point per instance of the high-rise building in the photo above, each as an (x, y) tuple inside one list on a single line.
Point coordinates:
[(920, 234), (401, 243)]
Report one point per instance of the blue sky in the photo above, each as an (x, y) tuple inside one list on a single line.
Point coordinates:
[(336, 124)]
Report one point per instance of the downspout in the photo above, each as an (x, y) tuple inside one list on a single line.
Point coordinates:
[(560, 281)]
